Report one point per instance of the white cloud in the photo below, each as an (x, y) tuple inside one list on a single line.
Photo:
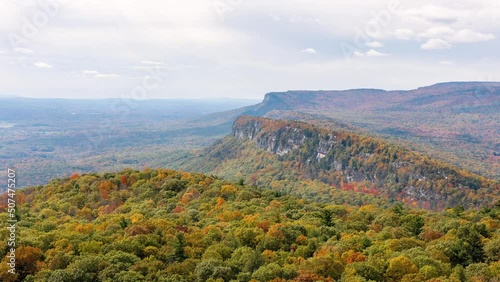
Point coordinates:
[(462, 21), (96, 74), (437, 32), (470, 36), (147, 62), (302, 19), (435, 44), (431, 13), (146, 67), (106, 75), (23, 50), (373, 53), (456, 36), (309, 51), (374, 44), (359, 54), (446, 63), (42, 65), (403, 33), (370, 53), (90, 72), (275, 18)]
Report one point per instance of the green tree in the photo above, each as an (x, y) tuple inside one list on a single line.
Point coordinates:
[(492, 250), (268, 272), (399, 267), (180, 255), (245, 259), (467, 247), (413, 223), (212, 269)]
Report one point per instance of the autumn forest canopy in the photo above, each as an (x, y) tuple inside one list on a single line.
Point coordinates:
[(166, 225)]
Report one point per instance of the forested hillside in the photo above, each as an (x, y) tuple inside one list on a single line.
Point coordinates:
[(164, 225), (283, 153)]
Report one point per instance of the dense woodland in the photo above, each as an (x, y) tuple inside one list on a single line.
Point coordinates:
[(164, 225)]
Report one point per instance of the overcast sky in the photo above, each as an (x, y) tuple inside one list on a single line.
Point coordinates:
[(241, 48)]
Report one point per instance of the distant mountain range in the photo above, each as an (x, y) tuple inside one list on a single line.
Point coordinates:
[(457, 122)]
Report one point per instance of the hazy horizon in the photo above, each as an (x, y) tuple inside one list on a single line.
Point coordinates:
[(214, 98), (2, 96)]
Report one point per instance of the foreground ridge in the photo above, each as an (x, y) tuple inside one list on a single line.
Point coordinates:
[(166, 225)]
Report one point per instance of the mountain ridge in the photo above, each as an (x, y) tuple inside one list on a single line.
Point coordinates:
[(455, 122), (297, 151)]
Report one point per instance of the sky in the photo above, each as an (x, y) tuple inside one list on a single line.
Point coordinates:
[(148, 49)]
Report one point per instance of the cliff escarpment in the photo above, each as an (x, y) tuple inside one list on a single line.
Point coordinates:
[(353, 161)]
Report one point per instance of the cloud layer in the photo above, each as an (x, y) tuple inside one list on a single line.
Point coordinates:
[(223, 48)]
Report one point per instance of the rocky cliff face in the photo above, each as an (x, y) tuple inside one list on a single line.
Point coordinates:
[(287, 138), (340, 157), (271, 142)]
